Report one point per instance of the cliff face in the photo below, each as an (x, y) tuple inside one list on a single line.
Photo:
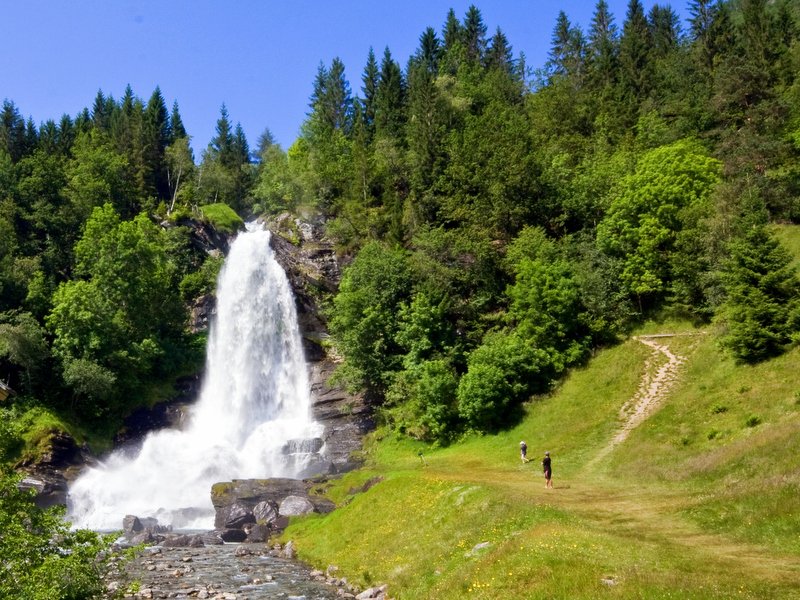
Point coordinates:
[(314, 273)]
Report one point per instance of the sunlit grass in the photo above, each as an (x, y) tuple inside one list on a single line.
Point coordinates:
[(673, 512)]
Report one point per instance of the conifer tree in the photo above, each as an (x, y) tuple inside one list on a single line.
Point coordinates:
[(499, 55), (474, 35), (603, 48), (12, 131), (177, 130), (567, 48), (155, 139), (452, 31), (635, 47), (665, 30), (430, 50), (390, 98), (762, 310), (369, 88)]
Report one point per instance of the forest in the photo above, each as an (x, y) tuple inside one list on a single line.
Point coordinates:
[(500, 221)]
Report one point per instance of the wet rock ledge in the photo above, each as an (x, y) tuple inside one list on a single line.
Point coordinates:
[(252, 510)]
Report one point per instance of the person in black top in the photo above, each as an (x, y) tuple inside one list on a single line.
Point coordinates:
[(523, 451), (548, 471)]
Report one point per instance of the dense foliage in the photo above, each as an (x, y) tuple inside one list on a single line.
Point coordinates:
[(42, 558), (502, 222)]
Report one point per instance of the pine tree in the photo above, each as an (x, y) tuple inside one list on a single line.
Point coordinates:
[(390, 98), (155, 139), (474, 35), (603, 49), (177, 129), (430, 51), (762, 309), (369, 87), (499, 55)]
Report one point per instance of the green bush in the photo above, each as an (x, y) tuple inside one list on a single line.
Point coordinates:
[(502, 373), (753, 421), (200, 282), (41, 558)]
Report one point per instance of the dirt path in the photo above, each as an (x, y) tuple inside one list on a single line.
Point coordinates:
[(653, 388)]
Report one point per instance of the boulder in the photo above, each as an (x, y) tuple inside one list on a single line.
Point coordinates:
[(295, 505), (234, 516), (233, 535), (264, 501), (265, 512), (183, 541), (131, 524), (257, 533)]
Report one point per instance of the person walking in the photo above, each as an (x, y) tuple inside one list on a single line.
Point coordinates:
[(523, 451), (548, 471)]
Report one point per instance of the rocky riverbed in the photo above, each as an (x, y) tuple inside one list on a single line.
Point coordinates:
[(225, 572)]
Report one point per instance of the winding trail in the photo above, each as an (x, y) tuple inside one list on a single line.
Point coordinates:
[(653, 388)]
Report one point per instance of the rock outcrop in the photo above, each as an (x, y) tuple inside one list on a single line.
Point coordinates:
[(254, 509), (48, 474), (314, 272)]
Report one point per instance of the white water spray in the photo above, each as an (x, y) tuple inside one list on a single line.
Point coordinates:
[(255, 398)]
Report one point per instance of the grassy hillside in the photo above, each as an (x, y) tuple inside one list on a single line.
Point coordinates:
[(701, 500)]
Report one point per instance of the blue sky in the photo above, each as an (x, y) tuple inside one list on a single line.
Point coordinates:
[(258, 57)]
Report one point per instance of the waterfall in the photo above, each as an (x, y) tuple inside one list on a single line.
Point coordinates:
[(253, 408)]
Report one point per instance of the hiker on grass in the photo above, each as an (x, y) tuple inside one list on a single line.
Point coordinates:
[(548, 471), (523, 451)]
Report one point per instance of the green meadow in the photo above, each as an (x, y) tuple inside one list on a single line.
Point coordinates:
[(701, 500)]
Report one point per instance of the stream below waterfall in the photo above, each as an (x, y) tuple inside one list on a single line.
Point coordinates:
[(225, 572)]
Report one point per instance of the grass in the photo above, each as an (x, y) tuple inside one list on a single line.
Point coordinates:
[(222, 217), (789, 236), (672, 512)]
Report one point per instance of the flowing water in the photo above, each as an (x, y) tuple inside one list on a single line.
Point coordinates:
[(254, 402)]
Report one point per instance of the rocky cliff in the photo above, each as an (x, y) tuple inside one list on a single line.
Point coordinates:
[(314, 272)]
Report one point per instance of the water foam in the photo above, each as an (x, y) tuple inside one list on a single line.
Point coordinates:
[(255, 398)]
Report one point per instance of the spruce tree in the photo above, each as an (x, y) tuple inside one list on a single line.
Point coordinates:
[(499, 55), (12, 131), (635, 48), (155, 139), (430, 50), (474, 35), (390, 98), (177, 130), (762, 310), (369, 88), (603, 48)]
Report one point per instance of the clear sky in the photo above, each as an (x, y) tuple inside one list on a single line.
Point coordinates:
[(258, 57)]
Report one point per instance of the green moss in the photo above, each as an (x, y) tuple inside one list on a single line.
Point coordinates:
[(222, 217)]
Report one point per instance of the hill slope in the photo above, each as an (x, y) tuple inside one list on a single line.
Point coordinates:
[(698, 498)]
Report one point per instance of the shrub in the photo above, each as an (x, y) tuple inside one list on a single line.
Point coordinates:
[(753, 420), (34, 566)]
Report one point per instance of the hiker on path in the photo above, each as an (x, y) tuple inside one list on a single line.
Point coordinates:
[(548, 471), (523, 451)]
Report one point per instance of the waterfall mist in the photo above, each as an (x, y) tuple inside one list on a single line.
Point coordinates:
[(254, 400)]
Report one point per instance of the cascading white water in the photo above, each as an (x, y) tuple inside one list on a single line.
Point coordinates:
[(255, 399)]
